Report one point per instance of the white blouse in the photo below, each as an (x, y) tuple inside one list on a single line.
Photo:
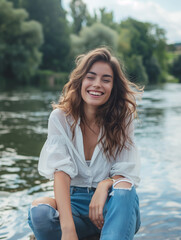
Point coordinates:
[(61, 153)]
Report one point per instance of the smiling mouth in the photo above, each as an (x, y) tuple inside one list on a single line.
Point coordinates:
[(95, 93)]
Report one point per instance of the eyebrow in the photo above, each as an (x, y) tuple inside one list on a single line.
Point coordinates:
[(105, 75)]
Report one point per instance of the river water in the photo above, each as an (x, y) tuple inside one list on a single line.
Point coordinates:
[(23, 129)]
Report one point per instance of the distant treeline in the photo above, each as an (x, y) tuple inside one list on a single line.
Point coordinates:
[(38, 42)]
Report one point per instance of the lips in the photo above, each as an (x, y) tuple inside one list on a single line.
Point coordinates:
[(95, 93)]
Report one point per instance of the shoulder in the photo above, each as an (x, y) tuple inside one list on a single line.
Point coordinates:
[(57, 113), (59, 116)]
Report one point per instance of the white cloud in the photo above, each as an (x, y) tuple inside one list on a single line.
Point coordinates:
[(153, 12), (143, 10)]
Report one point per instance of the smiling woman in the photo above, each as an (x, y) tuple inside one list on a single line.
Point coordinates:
[(91, 154)]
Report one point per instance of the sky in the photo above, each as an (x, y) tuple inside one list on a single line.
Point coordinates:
[(165, 13)]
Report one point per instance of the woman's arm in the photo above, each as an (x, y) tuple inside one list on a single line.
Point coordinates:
[(98, 201), (62, 197), (99, 198)]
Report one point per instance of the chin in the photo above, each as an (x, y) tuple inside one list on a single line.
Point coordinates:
[(95, 104)]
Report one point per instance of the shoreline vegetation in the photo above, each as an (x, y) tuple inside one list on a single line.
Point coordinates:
[(39, 45)]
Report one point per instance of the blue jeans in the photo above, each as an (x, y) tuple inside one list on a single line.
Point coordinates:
[(121, 216)]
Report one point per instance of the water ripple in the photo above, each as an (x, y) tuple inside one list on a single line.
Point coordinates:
[(23, 129)]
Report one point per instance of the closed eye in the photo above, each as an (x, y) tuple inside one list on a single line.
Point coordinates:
[(106, 80), (90, 78)]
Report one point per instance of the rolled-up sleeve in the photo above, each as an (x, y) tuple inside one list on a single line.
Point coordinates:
[(54, 155), (127, 163)]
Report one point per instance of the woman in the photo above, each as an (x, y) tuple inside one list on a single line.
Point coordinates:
[(91, 155)]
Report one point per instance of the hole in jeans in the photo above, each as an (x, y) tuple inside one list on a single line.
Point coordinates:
[(122, 188), (128, 186)]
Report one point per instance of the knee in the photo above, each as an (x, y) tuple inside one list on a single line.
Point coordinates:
[(39, 214), (45, 200), (42, 215)]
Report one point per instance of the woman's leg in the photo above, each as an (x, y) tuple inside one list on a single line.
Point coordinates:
[(80, 200), (122, 218), (43, 218)]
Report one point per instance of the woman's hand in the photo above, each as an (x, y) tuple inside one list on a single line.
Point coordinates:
[(97, 203)]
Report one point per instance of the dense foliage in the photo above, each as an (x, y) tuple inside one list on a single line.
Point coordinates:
[(56, 47), (94, 36), (19, 43), (176, 68), (140, 45)]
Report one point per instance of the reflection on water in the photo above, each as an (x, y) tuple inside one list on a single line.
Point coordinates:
[(23, 129)]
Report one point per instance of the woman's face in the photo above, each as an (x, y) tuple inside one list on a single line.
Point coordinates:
[(97, 84)]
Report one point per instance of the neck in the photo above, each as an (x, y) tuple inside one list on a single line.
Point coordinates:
[(90, 123), (90, 115)]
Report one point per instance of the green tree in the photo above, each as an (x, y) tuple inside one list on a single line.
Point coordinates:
[(16, 3), (94, 36), (90, 20), (136, 70), (124, 42), (56, 47), (160, 46), (176, 68), (78, 11), (19, 44), (141, 43), (145, 40), (107, 18), (153, 69)]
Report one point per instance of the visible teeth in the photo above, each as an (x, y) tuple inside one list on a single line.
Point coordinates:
[(95, 93)]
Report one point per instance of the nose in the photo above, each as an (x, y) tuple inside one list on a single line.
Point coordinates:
[(97, 82)]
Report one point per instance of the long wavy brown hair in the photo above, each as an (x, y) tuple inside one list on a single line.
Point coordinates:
[(115, 116)]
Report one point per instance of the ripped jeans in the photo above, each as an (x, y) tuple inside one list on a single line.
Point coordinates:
[(121, 216)]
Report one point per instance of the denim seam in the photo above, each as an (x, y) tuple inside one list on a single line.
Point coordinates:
[(138, 227), (29, 219), (131, 222)]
